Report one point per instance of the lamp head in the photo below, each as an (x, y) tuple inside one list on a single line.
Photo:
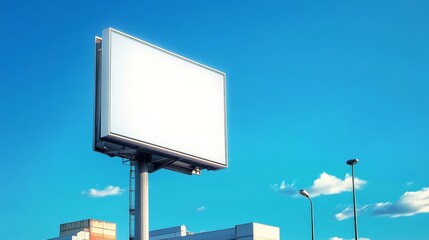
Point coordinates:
[(352, 161), (304, 193)]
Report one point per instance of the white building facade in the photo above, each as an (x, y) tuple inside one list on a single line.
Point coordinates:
[(249, 231), (88, 229)]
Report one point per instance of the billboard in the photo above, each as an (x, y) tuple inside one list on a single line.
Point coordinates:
[(151, 100)]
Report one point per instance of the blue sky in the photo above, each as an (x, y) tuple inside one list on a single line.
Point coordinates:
[(310, 85)]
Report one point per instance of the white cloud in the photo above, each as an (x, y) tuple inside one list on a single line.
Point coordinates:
[(107, 191), (409, 204), (328, 184), (348, 212), (201, 209), (283, 187)]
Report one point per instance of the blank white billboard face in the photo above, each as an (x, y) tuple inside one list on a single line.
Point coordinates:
[(160, 101)]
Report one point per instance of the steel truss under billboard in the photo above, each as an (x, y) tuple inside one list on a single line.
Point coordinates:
[(150, 100)]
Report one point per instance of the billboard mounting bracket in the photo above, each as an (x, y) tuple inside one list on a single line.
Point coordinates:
[(160, 163)]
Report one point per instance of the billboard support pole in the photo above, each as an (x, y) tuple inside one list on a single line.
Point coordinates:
[(141, 226)]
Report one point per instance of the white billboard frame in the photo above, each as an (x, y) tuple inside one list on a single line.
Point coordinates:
[(108, 137)]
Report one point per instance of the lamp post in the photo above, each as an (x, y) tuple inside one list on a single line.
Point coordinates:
[(305, 194), (353, 162)]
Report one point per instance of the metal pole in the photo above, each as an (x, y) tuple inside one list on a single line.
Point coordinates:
[(305, 194), (312, 219), (354, 203), (141, 224)]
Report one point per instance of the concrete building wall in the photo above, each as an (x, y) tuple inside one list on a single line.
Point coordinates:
[(100, 230), (82, 235), (95, 229), (90, 229), (166, 233), (249, 231), (73, 227)]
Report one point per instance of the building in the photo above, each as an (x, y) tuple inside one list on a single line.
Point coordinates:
[(249, 231), (88, 229), (82, 235)]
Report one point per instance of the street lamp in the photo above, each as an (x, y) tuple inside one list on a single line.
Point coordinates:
[(353, 162), (305, 194)]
